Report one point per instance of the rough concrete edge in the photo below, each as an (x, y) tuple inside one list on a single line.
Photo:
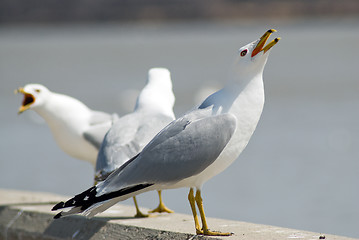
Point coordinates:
[(14, 224)]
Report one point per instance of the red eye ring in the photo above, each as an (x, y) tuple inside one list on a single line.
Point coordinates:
[(243, 53)]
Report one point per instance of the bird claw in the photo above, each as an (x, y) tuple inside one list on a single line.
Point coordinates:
[(141, 215), (160, 209), (212, 233)]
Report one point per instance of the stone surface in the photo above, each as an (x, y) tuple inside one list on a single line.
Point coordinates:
[(27, 215)]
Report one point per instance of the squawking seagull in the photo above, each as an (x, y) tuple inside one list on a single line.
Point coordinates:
[(77, 129), (193, 148)]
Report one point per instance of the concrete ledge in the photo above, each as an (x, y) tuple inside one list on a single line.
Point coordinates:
[(27, 215)]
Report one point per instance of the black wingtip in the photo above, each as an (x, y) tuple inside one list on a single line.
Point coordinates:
[(57, 216), (84, 200), (58, 206)]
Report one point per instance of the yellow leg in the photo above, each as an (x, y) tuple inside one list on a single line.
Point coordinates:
[(139, 214), (192, 202), (161, 206), (205, 229)]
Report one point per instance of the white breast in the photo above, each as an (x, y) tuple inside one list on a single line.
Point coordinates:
[(68, 118), (247, 107)]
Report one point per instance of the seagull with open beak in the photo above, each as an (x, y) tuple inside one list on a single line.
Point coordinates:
[(77, 129), (193, 148)]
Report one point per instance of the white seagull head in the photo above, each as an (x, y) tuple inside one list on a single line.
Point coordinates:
[(35, 95), (252, 57)]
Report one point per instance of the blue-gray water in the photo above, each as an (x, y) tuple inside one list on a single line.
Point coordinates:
[(301, 167)]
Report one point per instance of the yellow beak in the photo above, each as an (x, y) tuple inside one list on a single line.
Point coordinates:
[(27, 101), (262, 41), (23, 109), (19, 90)]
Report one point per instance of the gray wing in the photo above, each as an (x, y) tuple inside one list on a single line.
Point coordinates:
[(126, 138), (183, 149), (100, 123)]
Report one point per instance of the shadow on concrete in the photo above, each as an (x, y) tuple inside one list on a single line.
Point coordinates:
[(75, 227), (17, 223)]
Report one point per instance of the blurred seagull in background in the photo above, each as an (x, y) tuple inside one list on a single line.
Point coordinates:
[(132, 132), (193, 148), (78, 130)]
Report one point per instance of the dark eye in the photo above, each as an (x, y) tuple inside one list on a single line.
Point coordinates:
[(244, 52), (37, 90)]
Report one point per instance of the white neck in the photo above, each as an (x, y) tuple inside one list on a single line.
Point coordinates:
[(67, 119), (55, 110), (245, 101), (156, 98)]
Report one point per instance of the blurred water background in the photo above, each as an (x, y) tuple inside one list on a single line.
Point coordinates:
[(301, 167)]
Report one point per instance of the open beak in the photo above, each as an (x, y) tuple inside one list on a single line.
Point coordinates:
[(27, 101), (262, 41)]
